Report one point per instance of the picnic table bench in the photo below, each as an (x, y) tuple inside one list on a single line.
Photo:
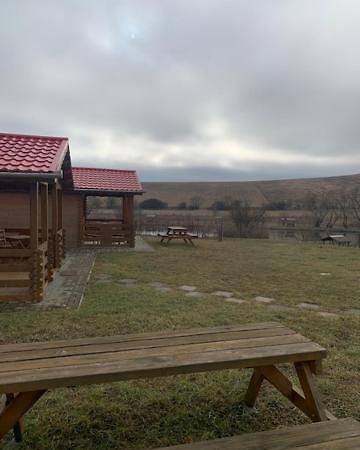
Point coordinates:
[(176, 232), (341, 434), (28, 370)]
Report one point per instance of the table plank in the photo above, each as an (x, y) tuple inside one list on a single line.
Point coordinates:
[(154, 366), (91, 347), (71, 360), (139, 336)]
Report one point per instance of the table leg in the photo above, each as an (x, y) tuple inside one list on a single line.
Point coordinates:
[(308, 401), (254, 387), (16, 407), (311, 393)]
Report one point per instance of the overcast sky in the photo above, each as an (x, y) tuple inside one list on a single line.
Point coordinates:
[(188, 89)]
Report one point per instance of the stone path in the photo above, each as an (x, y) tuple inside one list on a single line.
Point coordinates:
[(228, 296), (69, 284)]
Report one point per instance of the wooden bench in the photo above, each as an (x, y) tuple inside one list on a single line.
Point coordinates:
[(28, 370), (333, 435)]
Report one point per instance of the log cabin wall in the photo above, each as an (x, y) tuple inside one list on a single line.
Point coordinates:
[(14, 210), (72, 216)]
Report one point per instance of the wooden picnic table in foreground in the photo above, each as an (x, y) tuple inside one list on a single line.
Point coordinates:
[(28, 370)]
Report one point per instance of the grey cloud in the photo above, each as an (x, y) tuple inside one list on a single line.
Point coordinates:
[(280, 75)]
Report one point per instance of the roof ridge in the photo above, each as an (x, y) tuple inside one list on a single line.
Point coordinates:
[(103, 168), (37, 136)]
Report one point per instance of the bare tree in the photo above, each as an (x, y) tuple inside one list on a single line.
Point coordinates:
[(196, 202), (343, 206), (354, 205), (322, 208), (246, 218)]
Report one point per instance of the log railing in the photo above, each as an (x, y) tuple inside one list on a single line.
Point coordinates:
[(15, 275), (107, 234), (24, 272)]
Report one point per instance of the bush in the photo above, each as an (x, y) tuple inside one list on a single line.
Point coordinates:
[(153, 203)]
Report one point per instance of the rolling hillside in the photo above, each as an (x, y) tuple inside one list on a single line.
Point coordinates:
[(255, 192)]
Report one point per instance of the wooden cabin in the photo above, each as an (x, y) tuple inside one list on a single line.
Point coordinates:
[(43, 211)]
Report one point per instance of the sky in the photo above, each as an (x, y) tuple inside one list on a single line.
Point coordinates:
[(188, 90)]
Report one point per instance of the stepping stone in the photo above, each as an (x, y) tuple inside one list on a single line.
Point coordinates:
[(327, 315), (225, 294), (127, 280), (103, 277), (195, 294), (187, 288), (163, 289), (281, 308), (129, 285), (308, 305), (354, 311), (263, 299), (235, 300), (156, 284)]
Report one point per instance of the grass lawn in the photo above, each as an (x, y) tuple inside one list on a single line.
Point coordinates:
[(164, 411)]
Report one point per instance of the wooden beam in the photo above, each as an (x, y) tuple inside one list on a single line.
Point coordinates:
[(312, 396), (15, 409), (254, 387), (54, 224), (60, 209), (34, 216), (44, 199)]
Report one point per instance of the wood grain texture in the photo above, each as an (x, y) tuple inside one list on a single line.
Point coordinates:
[(29, 367), (334, 435)]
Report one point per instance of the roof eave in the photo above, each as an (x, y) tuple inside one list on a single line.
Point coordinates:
[(29, 175), (106, 192)]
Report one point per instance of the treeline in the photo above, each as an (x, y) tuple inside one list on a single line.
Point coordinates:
[(224, 204)]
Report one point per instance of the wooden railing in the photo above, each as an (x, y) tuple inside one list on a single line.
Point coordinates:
[(107, 234), (15, 275), (24, 273)]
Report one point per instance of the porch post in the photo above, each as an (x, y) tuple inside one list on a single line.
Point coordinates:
[(34, 216), (128, 218), (44, 211), (37, 272), (54, 225)]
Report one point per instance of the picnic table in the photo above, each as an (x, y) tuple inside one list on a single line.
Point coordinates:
[(18, 240), (176, 232), (28, 370)]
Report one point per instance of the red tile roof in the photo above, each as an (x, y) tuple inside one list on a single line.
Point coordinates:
[(106, 180), (34, 154)]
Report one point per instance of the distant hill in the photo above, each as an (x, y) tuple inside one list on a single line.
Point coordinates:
[(255, 192)]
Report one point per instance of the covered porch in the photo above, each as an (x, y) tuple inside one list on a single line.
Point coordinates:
[(120, 186), (29, 255)]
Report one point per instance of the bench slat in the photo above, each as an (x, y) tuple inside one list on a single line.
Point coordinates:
[(333, 435)]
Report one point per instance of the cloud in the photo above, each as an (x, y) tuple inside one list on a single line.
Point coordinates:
[(236, 89)]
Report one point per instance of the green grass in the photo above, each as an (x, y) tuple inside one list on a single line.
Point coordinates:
[(159, 412)]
